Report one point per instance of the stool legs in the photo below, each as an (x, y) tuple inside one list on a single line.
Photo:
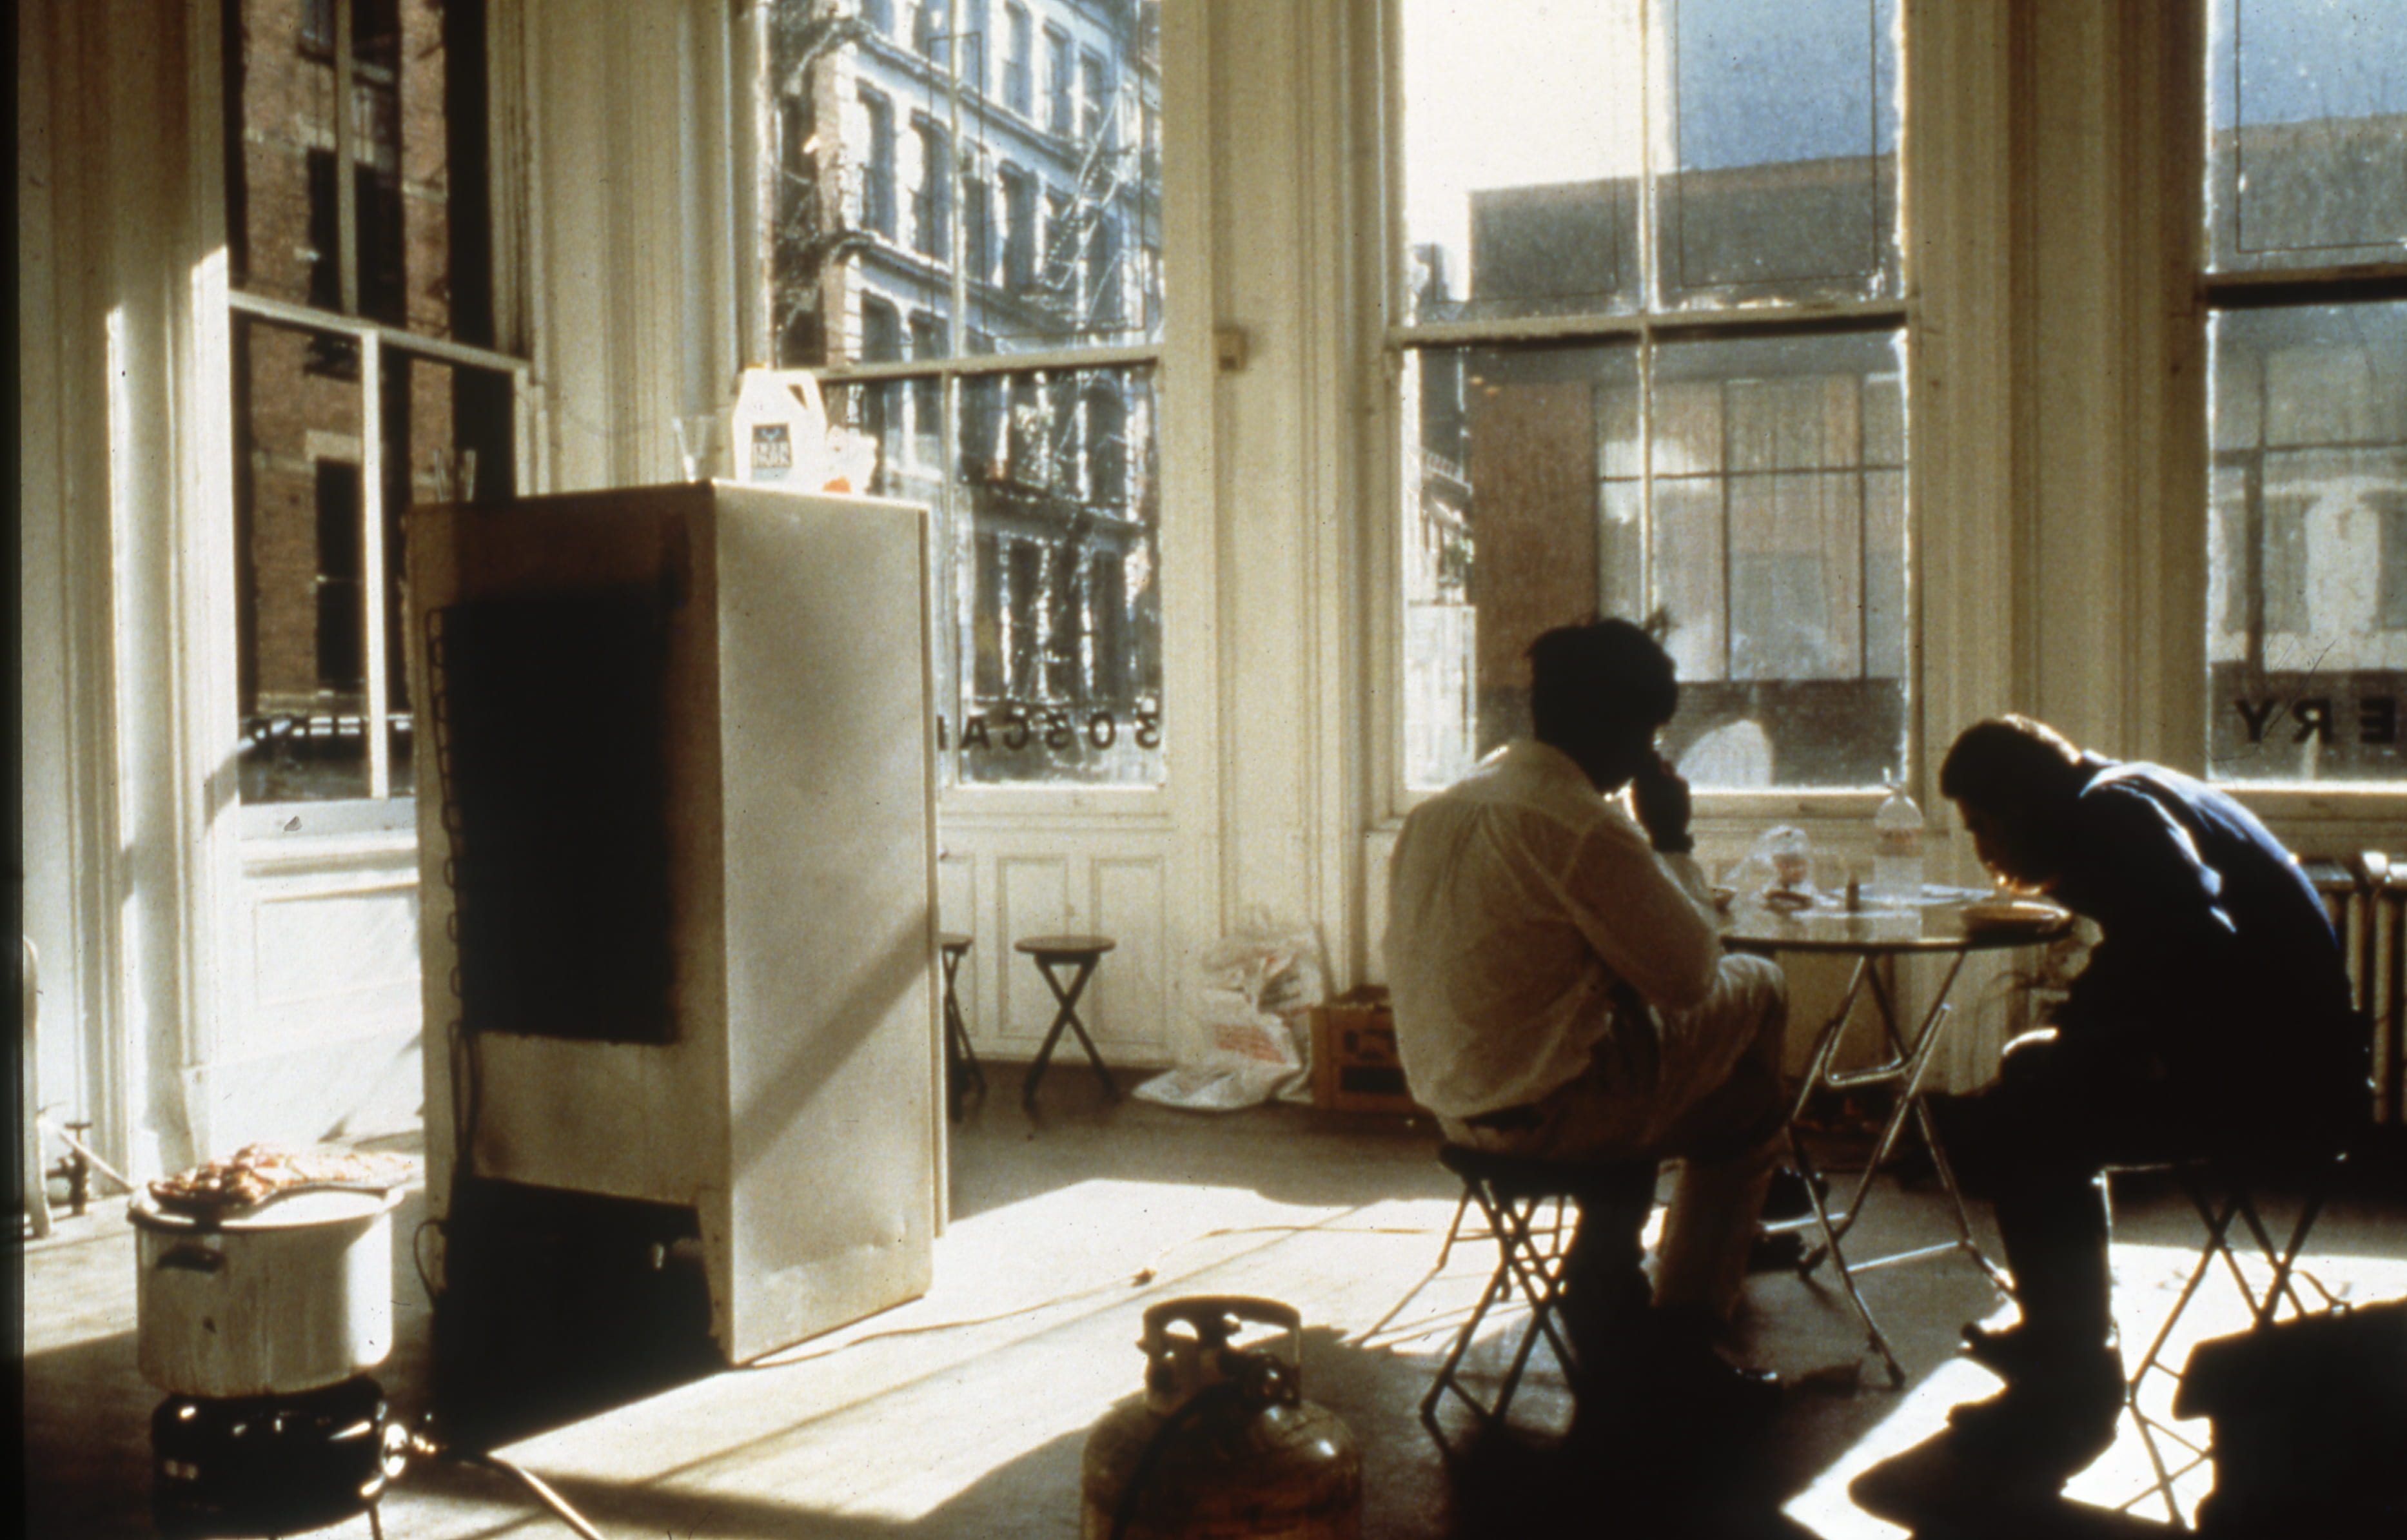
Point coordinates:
[(1066, 1017), (2219, 1212), (1513, 1221), (962, 1072)]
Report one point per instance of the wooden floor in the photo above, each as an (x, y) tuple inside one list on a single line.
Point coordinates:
[(964, 1413)]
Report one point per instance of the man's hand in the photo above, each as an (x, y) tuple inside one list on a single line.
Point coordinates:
[(1661, 798)]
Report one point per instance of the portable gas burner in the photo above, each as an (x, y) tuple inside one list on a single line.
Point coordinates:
[(273, 1465), (260, 1325)]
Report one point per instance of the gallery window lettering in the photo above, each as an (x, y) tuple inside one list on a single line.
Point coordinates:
[(1017, 728), (2372, 721), (2306, 236), (1613, 398), (1038, 459), (359, 246)]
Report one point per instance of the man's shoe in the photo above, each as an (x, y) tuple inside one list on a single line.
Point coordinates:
[(1775, 1252), (1786, 1197), (1701, 1386)]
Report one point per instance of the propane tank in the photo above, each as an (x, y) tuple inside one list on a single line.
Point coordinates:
[(1222, 1443)]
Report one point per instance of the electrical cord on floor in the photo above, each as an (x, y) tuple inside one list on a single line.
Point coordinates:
[(1143, 1277), (424, 1444)]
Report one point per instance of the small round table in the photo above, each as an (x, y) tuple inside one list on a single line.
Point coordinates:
[(1078, 953), (1934, 925), (963, 1073)]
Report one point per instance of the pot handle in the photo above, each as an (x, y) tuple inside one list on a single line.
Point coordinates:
[(191, 1259)]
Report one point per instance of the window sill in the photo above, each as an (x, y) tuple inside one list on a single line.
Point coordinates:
[(288, 837)]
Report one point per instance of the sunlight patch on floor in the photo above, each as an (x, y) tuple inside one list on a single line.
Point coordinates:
[(1030, 1336)]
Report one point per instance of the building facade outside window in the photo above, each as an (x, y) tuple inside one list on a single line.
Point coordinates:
[(1018, 61), (360, 257), (932, 199), (1094, 96), (1019, 230), (1024, 413), (2306, 284), (1653, 330), (876, 163), (1060, 84)]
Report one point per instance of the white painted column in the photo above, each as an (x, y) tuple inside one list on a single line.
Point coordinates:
[(130, 702)]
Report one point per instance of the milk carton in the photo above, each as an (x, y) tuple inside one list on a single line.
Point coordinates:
[(781, 431)]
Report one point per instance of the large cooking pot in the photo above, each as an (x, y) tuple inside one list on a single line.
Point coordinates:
[(293, 1296)]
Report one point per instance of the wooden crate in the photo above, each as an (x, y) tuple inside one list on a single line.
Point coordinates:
[(1355, 1067)]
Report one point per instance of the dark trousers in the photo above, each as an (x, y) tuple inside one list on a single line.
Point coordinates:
[(2036, 1145), (1606, 1292)]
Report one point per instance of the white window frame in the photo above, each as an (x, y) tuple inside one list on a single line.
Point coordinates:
[(2342, 806), (1178, 436), (378, 811)]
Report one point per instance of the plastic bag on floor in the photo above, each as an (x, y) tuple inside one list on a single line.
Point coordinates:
[(1245, 1036)]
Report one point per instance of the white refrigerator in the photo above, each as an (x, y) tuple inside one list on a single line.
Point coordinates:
[(677, 834)]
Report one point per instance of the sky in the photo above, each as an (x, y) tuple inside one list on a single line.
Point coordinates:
[(1524, 92)]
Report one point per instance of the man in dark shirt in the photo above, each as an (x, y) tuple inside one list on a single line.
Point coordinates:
[(2213, 1017)]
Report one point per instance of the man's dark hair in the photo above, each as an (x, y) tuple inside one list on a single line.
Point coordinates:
[(1602, 671), (2011, 766)]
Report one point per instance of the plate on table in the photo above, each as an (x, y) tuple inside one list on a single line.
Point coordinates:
[(2011, 914)]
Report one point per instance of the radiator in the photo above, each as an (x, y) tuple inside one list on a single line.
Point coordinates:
[(2367, 896)]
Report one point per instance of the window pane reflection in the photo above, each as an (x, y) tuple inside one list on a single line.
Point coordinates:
[(406, 242), (1784, 167), (1758, 139), (1057, 649), (308, 598), (1757, 502), (299, 527), (2307, 598), (2307, 124), (1057, 196)]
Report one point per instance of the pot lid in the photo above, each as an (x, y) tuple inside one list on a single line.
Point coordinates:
[(292, 1209)]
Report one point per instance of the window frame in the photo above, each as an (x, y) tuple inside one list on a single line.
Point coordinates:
[(1012, 245), (2243, 285), (1660, 318), (379, 811)]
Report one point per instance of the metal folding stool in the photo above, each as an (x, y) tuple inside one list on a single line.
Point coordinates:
[(1513, 1194), (2224, 1194), (1079, 955), (962, 1072)]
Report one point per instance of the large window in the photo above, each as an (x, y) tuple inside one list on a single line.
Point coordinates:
[(2307, 343), (359, 252), (1653, 340), (1024, 412)]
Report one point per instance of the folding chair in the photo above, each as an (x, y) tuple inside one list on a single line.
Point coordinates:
[(1513, 1194), (2226, 1192)]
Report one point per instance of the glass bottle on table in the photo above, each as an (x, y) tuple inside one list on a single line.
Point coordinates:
[(1896, 848)]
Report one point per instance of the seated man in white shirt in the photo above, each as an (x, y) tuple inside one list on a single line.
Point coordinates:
[(1560, 992)]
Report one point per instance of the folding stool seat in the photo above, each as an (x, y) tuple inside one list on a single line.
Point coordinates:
[(1513, 1194)]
